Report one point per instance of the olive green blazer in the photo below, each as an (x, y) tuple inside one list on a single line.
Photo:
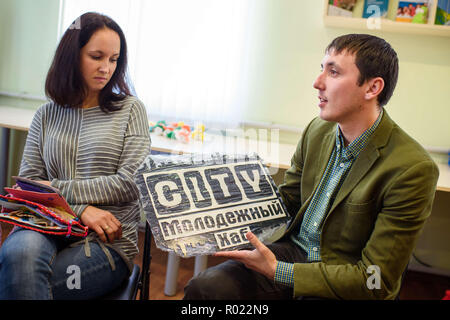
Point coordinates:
[(375, 219)]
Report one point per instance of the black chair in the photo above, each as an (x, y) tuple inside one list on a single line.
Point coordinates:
[(138, 280), (401, 282), (128, 289)]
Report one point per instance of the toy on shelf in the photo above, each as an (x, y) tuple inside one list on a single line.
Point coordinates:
[(178, 130), (199, 132), (158, 127)]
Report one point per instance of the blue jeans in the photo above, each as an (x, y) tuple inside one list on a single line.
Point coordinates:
[(39, 266)]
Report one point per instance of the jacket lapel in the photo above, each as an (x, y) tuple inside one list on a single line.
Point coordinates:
[(365, 160), (362, 164), (328, 144), (326, 148)]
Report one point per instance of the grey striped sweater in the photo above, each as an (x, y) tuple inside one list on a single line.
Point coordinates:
[(91, 156)]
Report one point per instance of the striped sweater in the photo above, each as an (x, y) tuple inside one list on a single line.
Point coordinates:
[(91, 157)]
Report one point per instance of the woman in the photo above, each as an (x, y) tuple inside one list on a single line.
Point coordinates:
[(87, 142)]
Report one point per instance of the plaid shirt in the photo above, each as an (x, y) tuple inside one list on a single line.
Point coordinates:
[(337, 169)]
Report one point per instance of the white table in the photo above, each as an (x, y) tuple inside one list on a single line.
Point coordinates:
[(443, 183), (11, 118)]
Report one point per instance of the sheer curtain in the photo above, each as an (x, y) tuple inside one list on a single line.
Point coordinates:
[(187, 58)]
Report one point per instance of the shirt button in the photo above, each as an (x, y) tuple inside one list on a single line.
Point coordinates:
[(315, 249), (315, 224), (328, 194), (341, 165)]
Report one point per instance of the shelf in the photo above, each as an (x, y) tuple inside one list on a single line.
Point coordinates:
[(385, 25)]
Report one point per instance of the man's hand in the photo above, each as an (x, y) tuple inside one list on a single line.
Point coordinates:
[(261, 259), (103, 222)]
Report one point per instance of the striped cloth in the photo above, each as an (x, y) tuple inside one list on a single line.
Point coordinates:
[(91, 157), (308, 237)]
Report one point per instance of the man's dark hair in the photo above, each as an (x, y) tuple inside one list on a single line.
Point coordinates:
[(374, 57), (65, 84)]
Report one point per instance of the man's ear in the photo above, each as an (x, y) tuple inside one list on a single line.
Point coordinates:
[(374, 87)]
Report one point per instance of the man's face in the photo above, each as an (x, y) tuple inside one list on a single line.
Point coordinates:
[(340, 96)]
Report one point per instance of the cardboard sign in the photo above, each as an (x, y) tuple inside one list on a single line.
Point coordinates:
[(197, 207)]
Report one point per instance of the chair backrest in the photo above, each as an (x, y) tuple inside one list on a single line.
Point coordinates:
[(128, 289), (146, 260), (137, 280)]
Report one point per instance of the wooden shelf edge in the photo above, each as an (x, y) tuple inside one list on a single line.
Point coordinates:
[(386, 25)]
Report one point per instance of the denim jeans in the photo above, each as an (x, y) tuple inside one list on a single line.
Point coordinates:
[(39, 266)]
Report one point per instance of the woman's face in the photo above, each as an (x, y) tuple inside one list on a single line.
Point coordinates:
[(98, 60)]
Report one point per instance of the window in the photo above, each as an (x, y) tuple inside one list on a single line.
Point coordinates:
[(187, 59)]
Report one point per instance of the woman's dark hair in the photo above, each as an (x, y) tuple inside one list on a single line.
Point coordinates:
[(65, 84), (374, 57)]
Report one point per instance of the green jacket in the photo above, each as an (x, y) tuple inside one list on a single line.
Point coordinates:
[(377, 215)]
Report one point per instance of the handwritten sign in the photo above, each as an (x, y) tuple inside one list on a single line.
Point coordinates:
[(203, 206)]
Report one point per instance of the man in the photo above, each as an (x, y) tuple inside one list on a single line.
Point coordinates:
[(359, 190)]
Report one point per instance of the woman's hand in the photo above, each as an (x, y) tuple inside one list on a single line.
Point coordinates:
[(103, 222), (47, 183), (261, 259)]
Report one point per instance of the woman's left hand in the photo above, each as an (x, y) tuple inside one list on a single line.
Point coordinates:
[(103, 222), (47, 183)]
